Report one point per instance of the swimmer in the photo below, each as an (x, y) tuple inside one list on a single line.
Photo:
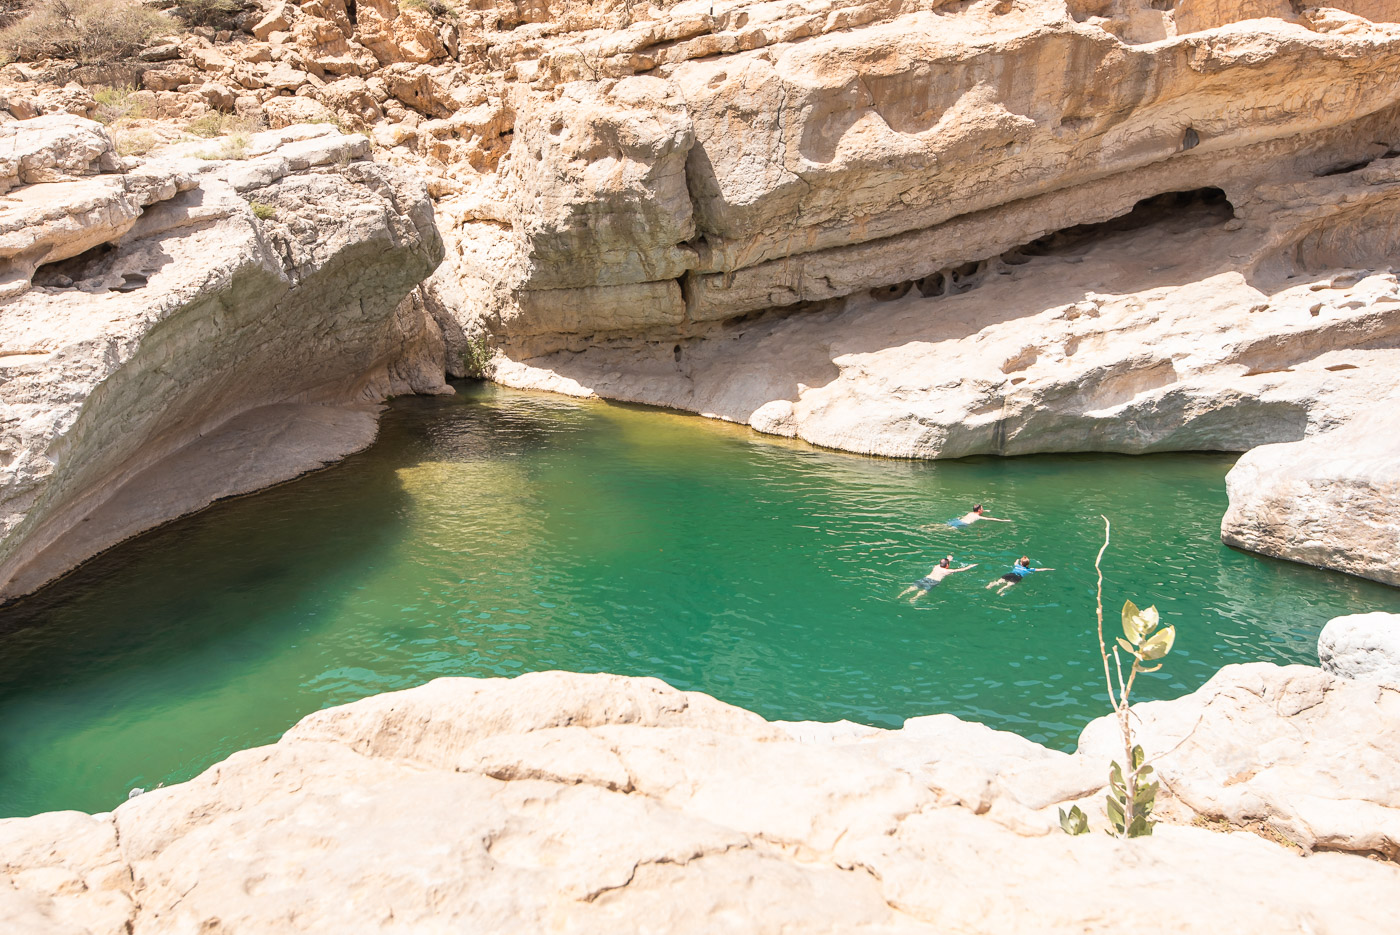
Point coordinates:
[(972, 516), (1014, 576), (930, 581)]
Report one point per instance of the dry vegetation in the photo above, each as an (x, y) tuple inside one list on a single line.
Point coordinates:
[(89, 32)]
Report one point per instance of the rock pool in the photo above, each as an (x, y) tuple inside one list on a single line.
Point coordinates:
[(500, 532)]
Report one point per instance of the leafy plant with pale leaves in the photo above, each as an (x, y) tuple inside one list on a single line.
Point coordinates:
[(1132, 791)]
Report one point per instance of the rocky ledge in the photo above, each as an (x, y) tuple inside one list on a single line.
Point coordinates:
[(193, 326), (596, 803)]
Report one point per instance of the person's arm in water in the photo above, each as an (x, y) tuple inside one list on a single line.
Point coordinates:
[(1040, 569), (995, 519), (964, 568)]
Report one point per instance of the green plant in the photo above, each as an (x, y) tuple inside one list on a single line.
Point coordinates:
[(115, 104), (437, 8), (1132, 792), (206, 125), (261, 211), (85, 31), (234, 147), (475, 356), (219, 14)]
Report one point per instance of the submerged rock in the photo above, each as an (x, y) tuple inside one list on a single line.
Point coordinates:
[(1332, 500), (596, 803), (1362, 646)]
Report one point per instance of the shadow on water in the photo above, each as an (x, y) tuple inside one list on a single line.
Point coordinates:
[(176, 612), (499, 532)]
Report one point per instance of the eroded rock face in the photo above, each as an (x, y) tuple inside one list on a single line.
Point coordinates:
[(605, 804), (865, 256), (1332, 500), (163, 346), (1361, 646), (779, 214)]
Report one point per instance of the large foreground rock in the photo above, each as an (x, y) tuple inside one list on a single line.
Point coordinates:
[(163, 345), (593, 803), (1362, 646), (1332, 500), (1309, 755)]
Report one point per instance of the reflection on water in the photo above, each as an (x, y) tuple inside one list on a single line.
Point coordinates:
[(502, 532)]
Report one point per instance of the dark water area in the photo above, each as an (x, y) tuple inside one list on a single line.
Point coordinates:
[(500, 532)]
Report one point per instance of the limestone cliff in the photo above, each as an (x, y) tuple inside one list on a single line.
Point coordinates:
[(918, 229), (189, 329)]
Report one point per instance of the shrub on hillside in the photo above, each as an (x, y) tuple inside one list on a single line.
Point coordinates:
[(218, 14), (84, 31)]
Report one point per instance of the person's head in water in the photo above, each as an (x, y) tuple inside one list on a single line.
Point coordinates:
[(977, 508), (946, 562), (1025, 561)]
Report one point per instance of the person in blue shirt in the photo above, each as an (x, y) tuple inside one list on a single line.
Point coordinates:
[(1014, 576)]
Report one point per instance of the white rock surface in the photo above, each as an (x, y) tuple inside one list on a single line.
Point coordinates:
[(1307, 754), (594, 803), (1332, 500), (162, 346), (1361, 646)]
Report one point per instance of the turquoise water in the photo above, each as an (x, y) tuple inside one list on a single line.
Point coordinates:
[(498, 532)]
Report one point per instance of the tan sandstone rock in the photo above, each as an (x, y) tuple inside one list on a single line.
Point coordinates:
[(594, 803)]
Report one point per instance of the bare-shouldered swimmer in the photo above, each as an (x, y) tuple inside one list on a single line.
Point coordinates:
[(930, 581)]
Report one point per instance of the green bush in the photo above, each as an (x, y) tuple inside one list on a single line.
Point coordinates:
[(85, 31), (114, 104), (212, 124), (261, 211), (218, 14), (476, 356)]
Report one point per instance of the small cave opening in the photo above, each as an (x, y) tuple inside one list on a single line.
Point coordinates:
[(62, 274), (350, 12), (1177, 211), (1200, 207), (1342, 169)]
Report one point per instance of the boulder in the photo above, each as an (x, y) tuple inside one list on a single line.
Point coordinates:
[(278, 19), (53, 148), (1305, 754), (1361, 646), (1332, 500)]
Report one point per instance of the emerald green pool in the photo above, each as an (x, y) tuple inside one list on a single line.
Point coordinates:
[(497, 532)]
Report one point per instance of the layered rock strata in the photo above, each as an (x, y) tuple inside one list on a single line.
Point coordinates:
[(605, 804), (1332, 500), (844, 238), (192, 328)]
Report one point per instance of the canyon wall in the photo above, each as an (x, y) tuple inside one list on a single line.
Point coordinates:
[(920, 229), (189, 328), (915, 228)]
